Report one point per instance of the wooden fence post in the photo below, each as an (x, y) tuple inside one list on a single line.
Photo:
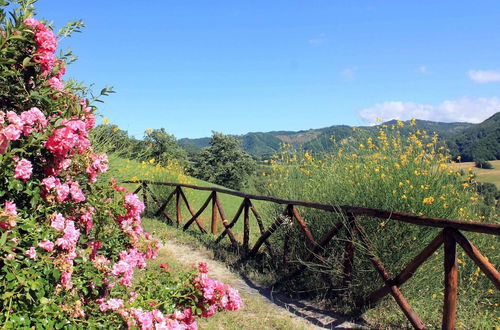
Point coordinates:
[(145, 196), (178, 206), (214, 213), (450, 280), (349, 253), (246, 225)]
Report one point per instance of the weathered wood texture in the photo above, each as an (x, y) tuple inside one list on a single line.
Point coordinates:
[(450, 280), (480, 227)]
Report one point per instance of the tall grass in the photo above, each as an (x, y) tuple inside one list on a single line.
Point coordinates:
[(389, 172)]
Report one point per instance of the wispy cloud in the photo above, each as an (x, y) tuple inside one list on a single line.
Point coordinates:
[(319, 40), (473, 110), (484, 76), (349, 73), (423, 69)]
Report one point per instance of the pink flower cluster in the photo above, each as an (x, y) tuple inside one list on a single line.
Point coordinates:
[(131, 221), (216, 295), (70, 232), (46, 41), (123, 270), (46, 245), (157, 320), (112, 304), (99, 165), (31, 253), (23, 170), (8, 215), (13, 125), (68, 139), (70, 238), (64, 192), (86, 218)]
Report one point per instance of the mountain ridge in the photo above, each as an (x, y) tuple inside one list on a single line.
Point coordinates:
[(265, 144)]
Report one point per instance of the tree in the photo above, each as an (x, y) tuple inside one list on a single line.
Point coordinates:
[(224, 162), (163, 147)]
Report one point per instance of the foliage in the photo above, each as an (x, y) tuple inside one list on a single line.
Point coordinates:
[(113, 140), (489, 192), (157, 144), (264, 145), (69, 240), (163, 147), (480, 141), (484, 164), (223, 163), (386, 171)]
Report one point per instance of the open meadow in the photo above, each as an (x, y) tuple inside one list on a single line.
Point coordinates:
[(483, 175)]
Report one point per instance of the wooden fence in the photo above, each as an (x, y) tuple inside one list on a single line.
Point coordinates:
[(449, 236)]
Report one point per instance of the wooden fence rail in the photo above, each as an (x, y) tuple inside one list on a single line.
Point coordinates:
[(449, 237)]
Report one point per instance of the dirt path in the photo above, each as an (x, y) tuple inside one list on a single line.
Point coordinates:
[(299, 314)]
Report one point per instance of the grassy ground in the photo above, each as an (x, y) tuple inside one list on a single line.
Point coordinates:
[(386, 313), (257, 312), (483, 175)]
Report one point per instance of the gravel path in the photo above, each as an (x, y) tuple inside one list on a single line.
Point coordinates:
[(302, 313)]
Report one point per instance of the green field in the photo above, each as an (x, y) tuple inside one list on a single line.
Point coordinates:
[(230, 204)]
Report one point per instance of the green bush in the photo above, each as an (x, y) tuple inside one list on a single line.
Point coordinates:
[(484, 164), (385, 172), (70, 240)]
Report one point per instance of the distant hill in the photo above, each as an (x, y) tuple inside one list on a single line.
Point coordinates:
[(481, 141), (265, 144)]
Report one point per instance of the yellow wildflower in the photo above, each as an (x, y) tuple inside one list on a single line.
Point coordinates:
[(428, 200)]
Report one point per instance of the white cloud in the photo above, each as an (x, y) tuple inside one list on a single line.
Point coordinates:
[(472, 110), (423, 69), (484, 76), (349, 73)]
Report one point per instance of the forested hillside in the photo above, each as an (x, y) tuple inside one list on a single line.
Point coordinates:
[(478, 142), (265, 144)]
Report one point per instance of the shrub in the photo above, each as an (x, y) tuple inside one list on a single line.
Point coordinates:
[(224, 163), (484, 164), (70, 241), (392, 173)]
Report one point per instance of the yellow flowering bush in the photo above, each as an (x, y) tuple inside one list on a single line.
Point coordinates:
[(409, 173)]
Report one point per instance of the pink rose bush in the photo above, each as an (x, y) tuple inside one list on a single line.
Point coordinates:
[(70, 240)]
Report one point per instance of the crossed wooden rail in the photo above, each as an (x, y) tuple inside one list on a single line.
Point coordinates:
[(449, 237)]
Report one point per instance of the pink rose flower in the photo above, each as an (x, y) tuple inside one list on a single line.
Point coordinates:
[(58, 222), (46, 245), (31, 253), (56, 84), (11, 132), (10, 208), (23, 170)]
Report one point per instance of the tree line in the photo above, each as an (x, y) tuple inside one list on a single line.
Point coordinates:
[(222, 162)]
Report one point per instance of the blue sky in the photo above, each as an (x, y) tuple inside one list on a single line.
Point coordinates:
[(194, 67)]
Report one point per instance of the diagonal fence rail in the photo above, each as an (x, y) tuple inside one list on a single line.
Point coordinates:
[(449, 237)]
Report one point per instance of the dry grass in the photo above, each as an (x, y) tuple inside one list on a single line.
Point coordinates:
[(483, 175)]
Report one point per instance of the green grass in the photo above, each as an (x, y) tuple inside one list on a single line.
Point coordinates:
[(384, 314), (256, 312)]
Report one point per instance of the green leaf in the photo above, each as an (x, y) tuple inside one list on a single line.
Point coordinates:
[(26, 61), (8, 295), (3, 239), (57, 274)]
